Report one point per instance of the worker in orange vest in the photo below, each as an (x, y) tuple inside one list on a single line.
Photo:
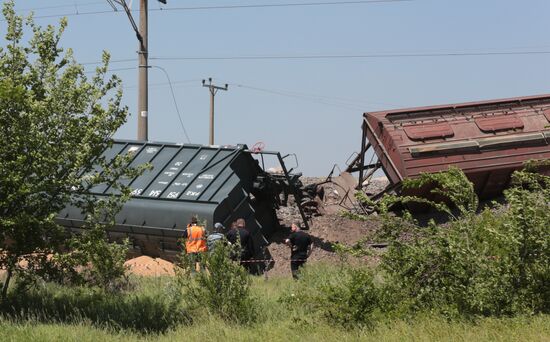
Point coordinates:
[(195, 243)]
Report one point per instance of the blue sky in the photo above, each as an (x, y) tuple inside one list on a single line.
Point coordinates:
[(311, 107)]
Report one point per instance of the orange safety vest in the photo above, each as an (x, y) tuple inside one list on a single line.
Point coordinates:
[(196, 239)]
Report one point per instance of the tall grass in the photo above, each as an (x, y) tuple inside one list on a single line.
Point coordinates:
[(287, 328), (151, 312), (151, 307)]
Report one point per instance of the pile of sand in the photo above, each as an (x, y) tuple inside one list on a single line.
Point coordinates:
[(141, 266), (150, 267)]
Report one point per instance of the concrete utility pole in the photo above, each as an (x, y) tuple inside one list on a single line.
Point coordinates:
[(213, 90), (143, 67), (143, 93)]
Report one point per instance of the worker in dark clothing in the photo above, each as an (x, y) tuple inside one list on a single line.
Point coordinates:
[(239, 235), (301, 246), (216, 238)]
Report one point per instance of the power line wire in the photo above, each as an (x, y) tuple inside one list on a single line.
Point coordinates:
[(222, 7), (112, 70), (357, 56), (71, 14), (125, 60), (174, 84), (332, 56), (295, 4), (309, 97), (174, 99), (59, 6), (312, 96), (303, 98)]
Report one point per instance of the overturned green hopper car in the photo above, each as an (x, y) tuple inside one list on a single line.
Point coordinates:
[(214, 183)]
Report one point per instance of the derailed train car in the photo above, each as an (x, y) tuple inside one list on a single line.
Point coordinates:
[(214, 183), (488, 140)]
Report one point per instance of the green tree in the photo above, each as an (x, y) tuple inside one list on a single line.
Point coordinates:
[(55, 123)]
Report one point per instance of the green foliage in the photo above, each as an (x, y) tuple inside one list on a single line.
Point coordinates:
[(282, 328), (55, 122), (144, 310), (451, 184), (346, 297), (495, 262), (104, 261), (221, 288), (155, 310)]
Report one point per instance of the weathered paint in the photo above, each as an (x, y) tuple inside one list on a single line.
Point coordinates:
[(488, 140)]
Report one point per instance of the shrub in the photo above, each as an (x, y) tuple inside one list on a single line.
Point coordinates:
[(495, 262), (222, 288), (104, 261), (345, 297)]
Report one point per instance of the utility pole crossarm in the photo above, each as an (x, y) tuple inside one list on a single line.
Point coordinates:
[(213, 90)]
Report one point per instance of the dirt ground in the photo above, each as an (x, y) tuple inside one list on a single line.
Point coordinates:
[(325, 231)]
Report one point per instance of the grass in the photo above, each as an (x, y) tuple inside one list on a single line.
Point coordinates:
[(149, 308), (54, 313), (426, 329)]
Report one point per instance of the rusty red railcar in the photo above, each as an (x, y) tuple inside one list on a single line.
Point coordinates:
[(488, 140)]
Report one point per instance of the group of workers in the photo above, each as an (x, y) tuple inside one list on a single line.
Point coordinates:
[(197, 241)]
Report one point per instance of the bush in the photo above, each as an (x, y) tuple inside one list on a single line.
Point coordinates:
[(496, 262), (222, 288), (101, 261), (345, 297)]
